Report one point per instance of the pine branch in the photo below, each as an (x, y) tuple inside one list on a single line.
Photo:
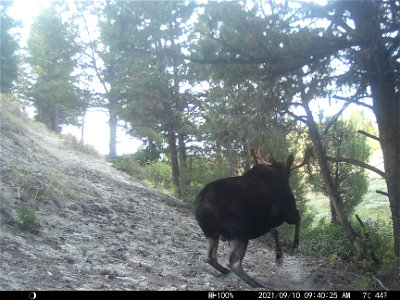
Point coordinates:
[(334, 119), (296, 117), (369, 135), (357, 163), (278, 68), (353, 100), (382, 193)]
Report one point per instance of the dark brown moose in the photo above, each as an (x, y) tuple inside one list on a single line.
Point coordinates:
[(242, 208)]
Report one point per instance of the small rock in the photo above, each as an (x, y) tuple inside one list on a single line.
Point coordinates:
[(70, 260)]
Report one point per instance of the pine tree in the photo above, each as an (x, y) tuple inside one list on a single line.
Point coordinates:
[(51, 58), (8, 49)]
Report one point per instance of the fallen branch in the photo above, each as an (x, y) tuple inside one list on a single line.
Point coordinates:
[(380, 283)]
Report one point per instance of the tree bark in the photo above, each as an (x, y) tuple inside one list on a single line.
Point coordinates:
[(113, 127), (387, 113), (183, 180), (55, 118), (173, 150), (334, 219), (380, 73), (174, 159), (82, 141), (177, 118), (334, 196)]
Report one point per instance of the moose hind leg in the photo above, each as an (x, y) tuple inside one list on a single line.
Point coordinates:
[(296, 235), (238, 250), (212, 255), (278, 249)]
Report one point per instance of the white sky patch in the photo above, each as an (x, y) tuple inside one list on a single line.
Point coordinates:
[(96, 133), (25, 12)]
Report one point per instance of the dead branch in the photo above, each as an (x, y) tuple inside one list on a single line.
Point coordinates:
[(368, 239), (380, 283)]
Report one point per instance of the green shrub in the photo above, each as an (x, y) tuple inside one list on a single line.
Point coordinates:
[(380, 233), (126, 163), (159, 175), (328, 241), (153, 174), (28, 219)]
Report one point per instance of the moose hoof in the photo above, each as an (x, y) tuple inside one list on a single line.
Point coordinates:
[(279, 261)]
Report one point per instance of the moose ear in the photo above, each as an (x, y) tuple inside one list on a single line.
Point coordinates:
[(289, 161)]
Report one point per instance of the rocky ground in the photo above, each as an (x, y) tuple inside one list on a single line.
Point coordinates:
[(100, 229)]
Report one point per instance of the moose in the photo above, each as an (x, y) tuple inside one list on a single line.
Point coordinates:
[(245, 207)]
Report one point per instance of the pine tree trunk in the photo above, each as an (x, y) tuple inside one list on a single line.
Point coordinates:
[(82, 140), (334, 196), (113, 129), (334, 219), (174, 159), (183, 180), (380, 73), (387, 111), (180, 168), (55, 118), (171, 137), (385, 107)]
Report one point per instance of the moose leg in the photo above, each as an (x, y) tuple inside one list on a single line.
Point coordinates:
[(296, 235), (238, 250), (278, 250), (212, 255)]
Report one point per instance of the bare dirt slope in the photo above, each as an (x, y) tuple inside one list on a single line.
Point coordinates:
[(102, 230)]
